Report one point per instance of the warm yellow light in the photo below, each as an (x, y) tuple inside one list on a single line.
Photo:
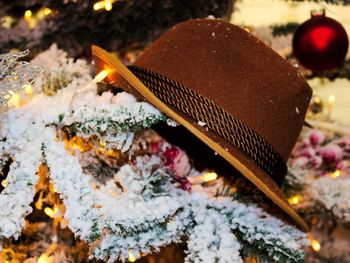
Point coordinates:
[(331, 99), (103, 143), (28, 15), (209, 177), (47, 11), (7, 21), (131, 257), (101, 75), (294, 199), (99, 5), (4, 183), (316, 246), (28, 89), (335, 174), (51, 212), (108, 5), (317, 100), (15, 101), (44, 258)]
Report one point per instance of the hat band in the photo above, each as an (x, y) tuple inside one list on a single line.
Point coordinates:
[(216, 119)]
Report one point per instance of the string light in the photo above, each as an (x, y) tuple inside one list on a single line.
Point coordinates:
[(51, 212), (108, 5), (47, 11), (210, 177), (101, 75), (4, 183), (336, 174), (205, 178), (316, 246), (294, 200), (131, 257), (28, 15), (44, 258), (99, 5), (14, 101), (103, 144), (105, 4), (330, 104)]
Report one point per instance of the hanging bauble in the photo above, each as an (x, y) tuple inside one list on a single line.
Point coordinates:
[(320, 43)]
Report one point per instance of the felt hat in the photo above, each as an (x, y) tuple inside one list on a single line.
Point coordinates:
[(227, 88)]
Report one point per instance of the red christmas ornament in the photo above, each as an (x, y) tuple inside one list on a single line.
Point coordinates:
[(320, 43)]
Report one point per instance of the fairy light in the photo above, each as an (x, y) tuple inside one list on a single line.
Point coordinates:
[(210, 177), (28, 89), (336, 174), (105, 4), (101, 75), (108, 5), (7, 21), (47, 11), (204, 178), (4, 183), (131, 257), (103, 144), (294, 200), (14, 101), (44, 258), (28, 15), (316, 246), (99, 5), (317, 99), (330, 104), (51, 212)]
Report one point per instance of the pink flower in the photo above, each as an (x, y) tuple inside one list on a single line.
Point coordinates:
[(316, 137), (331, 153)]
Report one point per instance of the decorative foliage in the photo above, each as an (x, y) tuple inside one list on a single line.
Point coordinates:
[(120, 26), (141, 205)]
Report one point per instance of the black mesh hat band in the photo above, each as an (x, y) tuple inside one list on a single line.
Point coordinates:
[(216, 119)]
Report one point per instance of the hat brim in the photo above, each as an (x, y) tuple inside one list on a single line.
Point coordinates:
[(235, 157)]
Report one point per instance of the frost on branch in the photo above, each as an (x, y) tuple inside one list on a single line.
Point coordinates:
[(144, 201)]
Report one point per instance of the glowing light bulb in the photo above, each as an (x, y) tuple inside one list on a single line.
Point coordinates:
[(99, 5), (51, 212), (131, 257), (335, 174), (28, 89), (103, 143), (101, 75), (47, 11), (44, 258), (14, 101), (294, 200), (4, 183), (209, 177), (28, 15), (316, 246), (108, 5)]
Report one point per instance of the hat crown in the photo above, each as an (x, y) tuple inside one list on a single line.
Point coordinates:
[(236, 71)]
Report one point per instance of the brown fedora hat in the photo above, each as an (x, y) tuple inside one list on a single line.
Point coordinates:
[(228, 89)]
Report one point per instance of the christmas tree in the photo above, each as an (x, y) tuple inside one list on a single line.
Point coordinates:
[(86, 177)]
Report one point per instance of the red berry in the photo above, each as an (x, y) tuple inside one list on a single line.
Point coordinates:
[(170, 154)]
